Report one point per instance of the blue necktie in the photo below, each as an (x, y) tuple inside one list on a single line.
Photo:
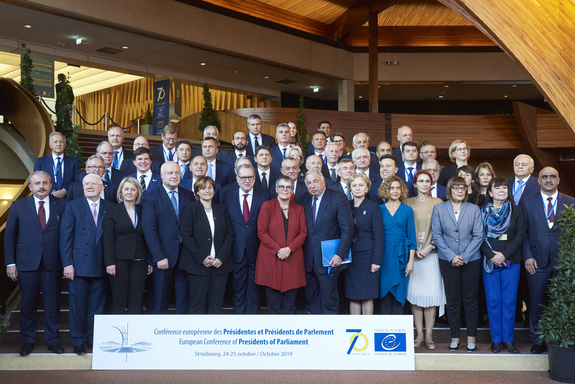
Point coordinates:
[(183, 171), (108, 176), (313, 206), (170, 155), (284, 153), (410, 174), (59, 178), (174, 200), (115, 163), (211, 171)]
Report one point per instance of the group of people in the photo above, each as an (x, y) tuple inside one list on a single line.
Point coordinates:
[(147, 223)]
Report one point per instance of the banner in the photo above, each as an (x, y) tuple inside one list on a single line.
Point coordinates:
[(161, 105), (43, 77), (323, 342)]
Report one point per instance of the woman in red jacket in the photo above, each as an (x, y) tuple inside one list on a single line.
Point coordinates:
[(282, 231)]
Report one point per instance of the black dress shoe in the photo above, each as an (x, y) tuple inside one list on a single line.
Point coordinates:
[(454, 346), (495, 347), (471, 347), (26, 349), (79, 350), (511, 348), (56, 348), (539, 348)]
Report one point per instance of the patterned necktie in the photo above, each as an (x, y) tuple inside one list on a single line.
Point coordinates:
[(95, 213), (313, 206), (174, 201), (143, 182), (264, 180), (42, 215), (59, 178), (116, 159), (550, 212), (246, 208)]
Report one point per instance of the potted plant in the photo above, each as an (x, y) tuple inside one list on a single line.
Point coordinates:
[(148, 125), (557, 323)]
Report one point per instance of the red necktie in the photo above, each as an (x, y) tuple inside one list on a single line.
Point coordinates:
[(42, 215), (550, 212), (246, 208)]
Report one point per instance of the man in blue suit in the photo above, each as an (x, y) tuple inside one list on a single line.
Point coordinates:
[(128, 166), (212, 131), (244, 203), (239, 142), (82, 253), (279, 151), (265, 177), (325, 127), (111, 174), (387, 167), (329, 217), (32, 258), (523, 185), (290, 168), (184, 154), (540, 245), (162, 209), (198, 168), (94, 165), (256, 137), (346, 169), (63, 170), (361, 158), (436, 190), (116, 140), (221, 172), (407, 169), (166, 151), (143, 161)]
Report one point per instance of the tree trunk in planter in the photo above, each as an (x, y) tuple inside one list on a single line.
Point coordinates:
[(561, 363)]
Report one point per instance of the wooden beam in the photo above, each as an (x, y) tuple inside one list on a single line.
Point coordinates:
[(455, 36), (357, 15), (373, 63)]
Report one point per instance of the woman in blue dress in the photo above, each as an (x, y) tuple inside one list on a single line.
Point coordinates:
[(399, 244)]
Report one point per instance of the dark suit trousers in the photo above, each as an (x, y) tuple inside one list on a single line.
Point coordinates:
[(537, 295), (246, 292), (30, 284), (321, 292), (128, 286), (208, 288), (461, 287), (163, 281), (281, 303), (87, 298)]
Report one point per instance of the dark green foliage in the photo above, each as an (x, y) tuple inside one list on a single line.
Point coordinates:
[(422, 142), (557, 323), (300, 123), (26, 66), (148, 117), (64, 122), (208, 116)]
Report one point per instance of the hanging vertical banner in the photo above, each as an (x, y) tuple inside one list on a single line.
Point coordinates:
[(161, 105), (43, 77)]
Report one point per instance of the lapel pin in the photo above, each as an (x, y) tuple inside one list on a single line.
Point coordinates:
[(364, 212)]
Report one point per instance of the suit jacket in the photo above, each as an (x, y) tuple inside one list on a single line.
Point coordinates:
[(334, 220), (281, 275), (154, 183), (127, 156), (368, 230), (531, 188), (325, 172), (25, 243), (272, 178), (117, 176), (401, 172), (461, 237), (511, 247), (232, 157), (76, 191), (71, 170), (373, 162), (128, 166), (221, 155), (245, 234), (197, 239), (224, 173), (81, 242), (540, 242), (121, 240), (277, 158), (396, 152), (449, 172), (161, 225), (266, 140)]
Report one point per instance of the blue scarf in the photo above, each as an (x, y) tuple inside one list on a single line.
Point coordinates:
[(496, 220)]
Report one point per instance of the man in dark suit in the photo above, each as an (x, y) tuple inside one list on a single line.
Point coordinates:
[(239, 143), (279, 151), (362, 140), (221, 172), (111, 174), (32, 258), (540, 245), (407, 169), (404, 134), (346, 168), (244, 203), (315, 162), (212, 131), (82, 253), (256, 137), (362, 159), (148, 180), (387, 167), (166, 151), (325, 127), (265, 177), (128, 166), (523, 185), (184, 154), (161, 213), (116, 140), (198, 168), (329, 217), (63, 170), (383, 148), (329, 169), (290, 168), (94, 165), (436, 190)]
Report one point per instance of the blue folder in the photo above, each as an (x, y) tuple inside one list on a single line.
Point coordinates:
[(329, 249)]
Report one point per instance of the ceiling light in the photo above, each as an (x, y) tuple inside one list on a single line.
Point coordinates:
[(78, 41), (505, 96), (315, 89), (446, 86), (266, 77), (125, 47), (360, 97), (202, 63), (440, 96), (235, 71), (514, 86), (379, 86), (27, 26)]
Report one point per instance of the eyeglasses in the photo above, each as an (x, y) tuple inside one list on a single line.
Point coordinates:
[(246, 178), (545, 177), (294, 168), (285, 188), (461, 150), (95, 167), (427, 152), (338, 141), (459, 188), (106, 153), (432, 170)]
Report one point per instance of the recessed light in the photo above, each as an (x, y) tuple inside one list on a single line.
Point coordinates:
[(235, 71), (27, 26), (360, 97), (379, 86), (505, 96), (446, 86), (514, 86), (266, 77), (125, 47), (78, 41), (440, 96), (202, 63), (316, 89)]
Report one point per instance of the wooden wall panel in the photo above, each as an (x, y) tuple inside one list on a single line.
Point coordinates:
[(552, 133)]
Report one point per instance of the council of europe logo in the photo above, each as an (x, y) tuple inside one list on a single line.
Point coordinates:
[(115, 347), (353, 345), (390, 342)]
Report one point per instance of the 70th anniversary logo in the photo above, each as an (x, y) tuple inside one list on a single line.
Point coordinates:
[(383, 341)]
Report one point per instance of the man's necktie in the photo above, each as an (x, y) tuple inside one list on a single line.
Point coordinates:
[(183, 171), (170, 155), (42, 215), (264, 180), (284, 152), (95, 213), (410, 179), (211, 171), (59, 178), (550, 212), (116, 159), (246, 208), (107, 176), (313, 206), (333, 175), (348, 193), (257, 143), (322, 158), (143, 182), (518, 192), (174, 201)]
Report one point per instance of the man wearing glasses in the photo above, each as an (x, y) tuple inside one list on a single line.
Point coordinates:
[(244, 203), (94, 166), (167, 151), (436, 190)]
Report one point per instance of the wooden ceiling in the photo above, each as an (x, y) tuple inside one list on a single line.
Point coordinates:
[(401, 23)]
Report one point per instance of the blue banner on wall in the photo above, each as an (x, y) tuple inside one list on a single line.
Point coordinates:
[(161, 105)]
